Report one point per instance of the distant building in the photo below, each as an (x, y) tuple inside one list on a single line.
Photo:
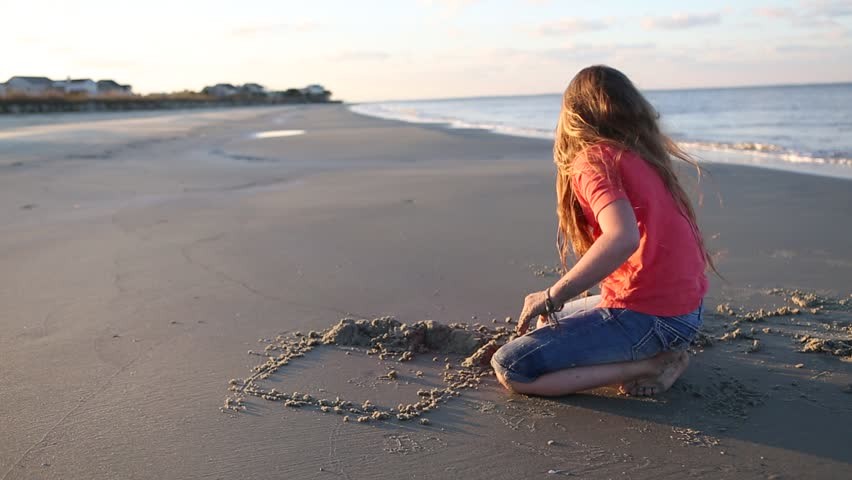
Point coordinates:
[(314, 90), (85, 86), (221, 90), (37, 86), (253, 89), (316, 93), (113, 89), (29, 85)]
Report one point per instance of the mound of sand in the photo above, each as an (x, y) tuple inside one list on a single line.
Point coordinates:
[(836, 347), (387, 336)]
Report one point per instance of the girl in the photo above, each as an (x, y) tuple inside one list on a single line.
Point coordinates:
[(632, 228)]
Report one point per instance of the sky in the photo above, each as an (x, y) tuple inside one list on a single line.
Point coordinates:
[(369, 50)]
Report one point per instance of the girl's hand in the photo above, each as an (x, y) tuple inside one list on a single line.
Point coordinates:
[(534, 305)]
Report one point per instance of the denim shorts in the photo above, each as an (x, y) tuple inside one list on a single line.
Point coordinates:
[(586, 334)]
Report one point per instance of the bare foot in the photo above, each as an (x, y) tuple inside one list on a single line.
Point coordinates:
[(671, 367)]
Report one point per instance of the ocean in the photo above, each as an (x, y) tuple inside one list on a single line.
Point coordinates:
[(802, 128)]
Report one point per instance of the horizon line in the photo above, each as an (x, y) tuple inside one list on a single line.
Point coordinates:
[(684, 89)]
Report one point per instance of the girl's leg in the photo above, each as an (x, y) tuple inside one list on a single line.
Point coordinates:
[(572, 308), (579, 305), (677, 331), (593, 348), (642, 378)]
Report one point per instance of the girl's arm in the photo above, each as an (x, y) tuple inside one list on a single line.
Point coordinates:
[(619, 239)]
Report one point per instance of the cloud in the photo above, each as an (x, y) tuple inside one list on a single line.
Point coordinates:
[(811, 51), (580, 52), (771, 12), (361, 56), (599, 52), (681, 21), (449, 4), (569, 26), (274, 29), (829, 8), (817, 14), (798, 48)]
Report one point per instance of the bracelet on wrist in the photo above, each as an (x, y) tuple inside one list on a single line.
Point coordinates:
[(549, 306)]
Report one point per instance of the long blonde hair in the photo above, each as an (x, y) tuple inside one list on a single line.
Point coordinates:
[(601, 106)]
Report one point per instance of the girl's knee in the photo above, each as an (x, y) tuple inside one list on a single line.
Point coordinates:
[(498, 363), (503, 380), (505, 362)]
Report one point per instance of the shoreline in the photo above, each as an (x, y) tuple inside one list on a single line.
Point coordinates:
[(762, 155), (151, 253), (734, 87)]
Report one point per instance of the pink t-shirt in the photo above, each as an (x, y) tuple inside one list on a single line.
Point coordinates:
[(665, 275)]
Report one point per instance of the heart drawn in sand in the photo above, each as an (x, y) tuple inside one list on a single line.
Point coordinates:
[(388, 339)]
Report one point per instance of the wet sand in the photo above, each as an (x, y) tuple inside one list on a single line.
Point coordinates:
[(146, 254)]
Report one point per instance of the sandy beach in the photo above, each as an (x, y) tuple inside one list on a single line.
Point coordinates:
[(145, 255)]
